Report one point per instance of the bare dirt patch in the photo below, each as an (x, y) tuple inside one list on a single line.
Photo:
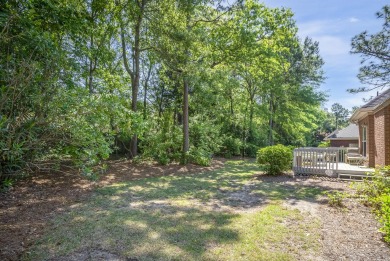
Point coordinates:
[(245, 198), (93, 254), (27, 208), (349, 233), (311, 207), (123, 170)]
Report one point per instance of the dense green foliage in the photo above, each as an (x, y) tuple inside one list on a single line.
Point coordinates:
[(324, 144), (377, 191), (276, 159), (169, 80)]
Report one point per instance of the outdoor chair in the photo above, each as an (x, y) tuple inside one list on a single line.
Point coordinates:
[(354, 158)]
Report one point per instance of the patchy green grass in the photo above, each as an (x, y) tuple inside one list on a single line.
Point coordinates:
[(172, 218)]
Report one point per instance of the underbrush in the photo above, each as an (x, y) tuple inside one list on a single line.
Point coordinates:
[(377, 191), (335, 198)]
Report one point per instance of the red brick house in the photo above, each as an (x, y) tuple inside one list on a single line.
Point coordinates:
[(347, 137), (373, 120)]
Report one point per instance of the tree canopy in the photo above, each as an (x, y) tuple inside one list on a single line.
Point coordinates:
[(171, 80)]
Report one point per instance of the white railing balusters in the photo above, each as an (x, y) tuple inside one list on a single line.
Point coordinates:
[(317, 160)]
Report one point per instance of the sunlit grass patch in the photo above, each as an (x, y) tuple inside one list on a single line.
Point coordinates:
[(172, 218), (270, 234), (276, 191), (189, 234)]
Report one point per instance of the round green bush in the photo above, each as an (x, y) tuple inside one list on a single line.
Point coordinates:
[(275, 159)]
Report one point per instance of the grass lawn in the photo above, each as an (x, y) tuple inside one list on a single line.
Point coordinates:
[(225, 214)]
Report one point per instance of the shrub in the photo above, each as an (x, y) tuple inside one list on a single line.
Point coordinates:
[(205, 136), (275, 159), (230, 146), (199, 157), (163, 140), (64, 133), (250, 150), (335, 198), (324, 144), (377, 191)]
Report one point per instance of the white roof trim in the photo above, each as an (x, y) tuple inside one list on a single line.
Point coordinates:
[(364, 112), (341, 138)]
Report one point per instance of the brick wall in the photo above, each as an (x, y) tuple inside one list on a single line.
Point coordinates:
[(387, 134), (379, 138), (342, 143), (371, 141)]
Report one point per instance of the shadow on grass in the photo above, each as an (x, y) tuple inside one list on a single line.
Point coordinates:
[(154, 218), (148, 232), (232, 186)]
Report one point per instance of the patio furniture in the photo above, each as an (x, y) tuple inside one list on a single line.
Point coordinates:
[(353, 150), (354, 158)]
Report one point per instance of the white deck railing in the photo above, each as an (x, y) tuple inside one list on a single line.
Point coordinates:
[(318, 160)]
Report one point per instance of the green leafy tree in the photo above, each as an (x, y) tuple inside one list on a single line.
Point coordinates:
[(214, 79), (340, 114), (133, 31)]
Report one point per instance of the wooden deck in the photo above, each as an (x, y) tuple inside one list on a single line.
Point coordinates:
[(326, 161), (348, 168)]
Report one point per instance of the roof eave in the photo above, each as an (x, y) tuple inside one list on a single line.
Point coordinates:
[(343, 138), (359, 114), (363, 112), (333, 133)]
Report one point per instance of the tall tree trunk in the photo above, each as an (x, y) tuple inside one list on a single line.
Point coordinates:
[(251, 112), (250, 134), (186, 136), (186, 140), (160, 101), (146, 88), (231, 102), (135, 72), (251, 89), (90, 76), (244, 136), (271, 123), (92, 53), (135, 83)]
